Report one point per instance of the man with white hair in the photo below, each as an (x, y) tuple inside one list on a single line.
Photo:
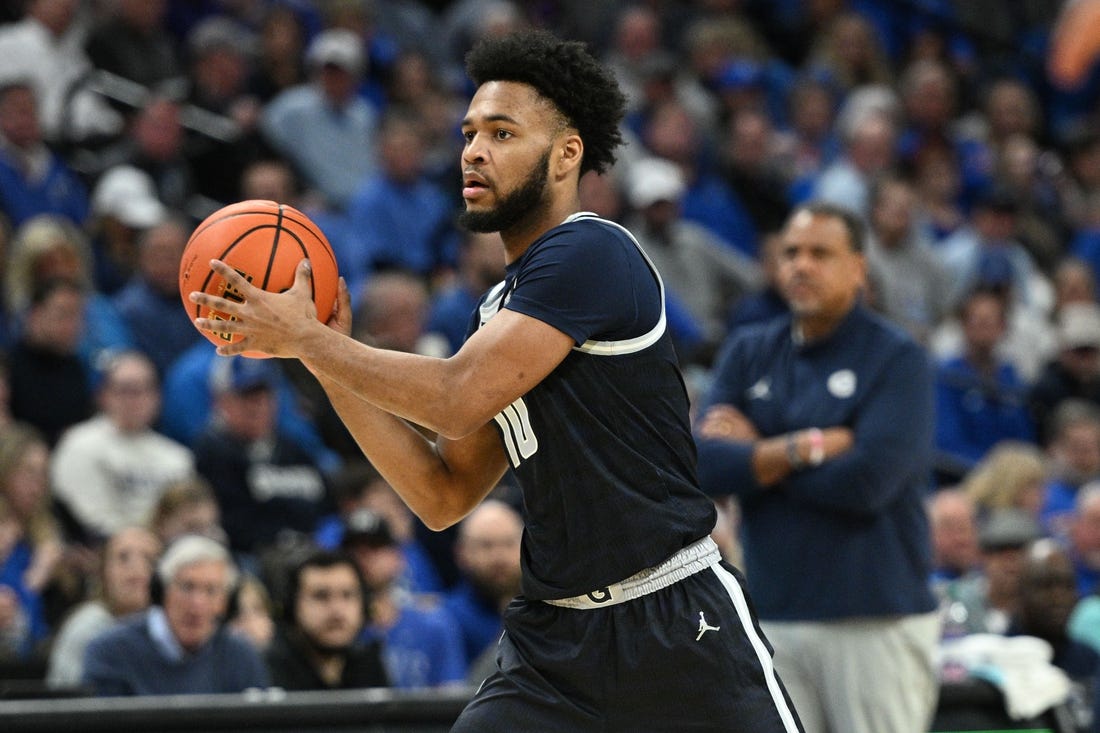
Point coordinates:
[(178, 646)]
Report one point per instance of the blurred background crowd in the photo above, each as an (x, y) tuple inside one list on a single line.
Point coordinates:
[(123, 123)]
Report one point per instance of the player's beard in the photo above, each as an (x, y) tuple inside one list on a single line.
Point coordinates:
[(513, 208)]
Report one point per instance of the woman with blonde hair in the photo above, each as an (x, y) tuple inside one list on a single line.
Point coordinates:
[(30, 540), (1012, 475), (47, 247)]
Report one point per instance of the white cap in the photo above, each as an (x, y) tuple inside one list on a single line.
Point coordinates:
[(1079, 325), (339, 47), (127, 194), (654, 179)]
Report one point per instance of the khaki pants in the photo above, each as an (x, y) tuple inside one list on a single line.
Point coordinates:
[(867, 675)]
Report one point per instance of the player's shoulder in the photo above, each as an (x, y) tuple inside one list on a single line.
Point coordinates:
[(590, 229)]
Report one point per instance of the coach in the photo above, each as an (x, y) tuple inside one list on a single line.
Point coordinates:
[(821, 424)]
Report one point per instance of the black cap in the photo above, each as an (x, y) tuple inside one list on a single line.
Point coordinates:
[(369, 528)]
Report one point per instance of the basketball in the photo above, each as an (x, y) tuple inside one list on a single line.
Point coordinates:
[(264, 241)]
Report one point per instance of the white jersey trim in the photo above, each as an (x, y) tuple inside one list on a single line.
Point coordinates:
[(638, 343)]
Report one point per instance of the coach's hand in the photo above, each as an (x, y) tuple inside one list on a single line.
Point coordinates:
[(274, 323)]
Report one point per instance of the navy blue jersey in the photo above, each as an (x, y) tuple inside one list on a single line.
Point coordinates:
[(601, 447)]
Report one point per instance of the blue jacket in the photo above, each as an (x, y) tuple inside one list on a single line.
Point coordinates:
[(849, 538)]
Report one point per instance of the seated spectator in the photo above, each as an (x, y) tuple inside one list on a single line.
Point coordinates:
[(487, 551), (150, 301), (110, 470), (250, 612), (1048, 594), (1075, 370), (324, 127), (480, 267), (979, 397), (1012, 475), (48, 248), (953, 520), (1075, 460), (421, 643), (1084, 538), (359, 486), (398, 217), (984, 602), (179, 645), (49, 386), (31, 546), (318, 646), (33, 179), (187, 507), (124, 205), (264, 481), (126, 567)]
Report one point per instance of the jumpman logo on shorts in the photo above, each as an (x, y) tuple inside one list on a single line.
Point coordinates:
[(704, 627)]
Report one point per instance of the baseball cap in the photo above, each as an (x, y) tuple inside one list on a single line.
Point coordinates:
[(652, 180), (338, 47), (367, 527), (1007, 529), (127, 193), (218, 33), (240, 374), (1079, 325)]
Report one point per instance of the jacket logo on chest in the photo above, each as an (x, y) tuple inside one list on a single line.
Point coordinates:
[(842, 383)]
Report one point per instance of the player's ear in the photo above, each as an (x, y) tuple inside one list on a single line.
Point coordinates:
[(570, 153)]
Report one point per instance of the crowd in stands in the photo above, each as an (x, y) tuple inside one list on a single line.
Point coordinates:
[(164, 510)]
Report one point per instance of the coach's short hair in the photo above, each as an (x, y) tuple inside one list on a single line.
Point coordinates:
[(851, 221)]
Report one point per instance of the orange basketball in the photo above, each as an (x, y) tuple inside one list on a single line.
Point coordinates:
[(264, 241)]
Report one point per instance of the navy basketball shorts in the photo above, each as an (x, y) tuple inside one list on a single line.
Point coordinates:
[(687, 657)]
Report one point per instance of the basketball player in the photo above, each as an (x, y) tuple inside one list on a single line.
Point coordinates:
[(628, 620)]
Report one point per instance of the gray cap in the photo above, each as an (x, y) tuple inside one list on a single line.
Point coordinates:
[(1007, 529)]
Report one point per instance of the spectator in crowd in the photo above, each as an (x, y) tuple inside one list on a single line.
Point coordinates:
[(1084, 539), (179, 645), (869, 150), (318, 645), (850, 50), (1074, 373), (31, 544), (703, 272), (251, 612), (324, 126), (985, 602), (980, 399), (33, 179), (953, 520), (398, 217), (129, 40), (766, 302), (49, 246), (124, 205), (938, 185), (911, 283), (279, 63), (487, 553), (126, 562), (480, 267), (1012, 475), (1075, 457), (110, 470), (150, 302), (265, 483), (187, 507), (358, 486), (805, 433), (421, 643), (1048, 594), (49, 383), (392, 313), (46, 47), (750, 164)]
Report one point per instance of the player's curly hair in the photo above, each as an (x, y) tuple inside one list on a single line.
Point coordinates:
[(564, 72)]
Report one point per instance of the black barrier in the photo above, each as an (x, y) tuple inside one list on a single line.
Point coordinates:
[(272, 711)]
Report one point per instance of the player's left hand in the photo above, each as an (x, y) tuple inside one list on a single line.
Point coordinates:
[(274, 323)]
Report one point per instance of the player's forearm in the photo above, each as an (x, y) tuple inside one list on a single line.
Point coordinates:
[(435, 393), (408, 461)]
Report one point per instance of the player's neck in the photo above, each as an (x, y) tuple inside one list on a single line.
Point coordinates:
[(521, 236)]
